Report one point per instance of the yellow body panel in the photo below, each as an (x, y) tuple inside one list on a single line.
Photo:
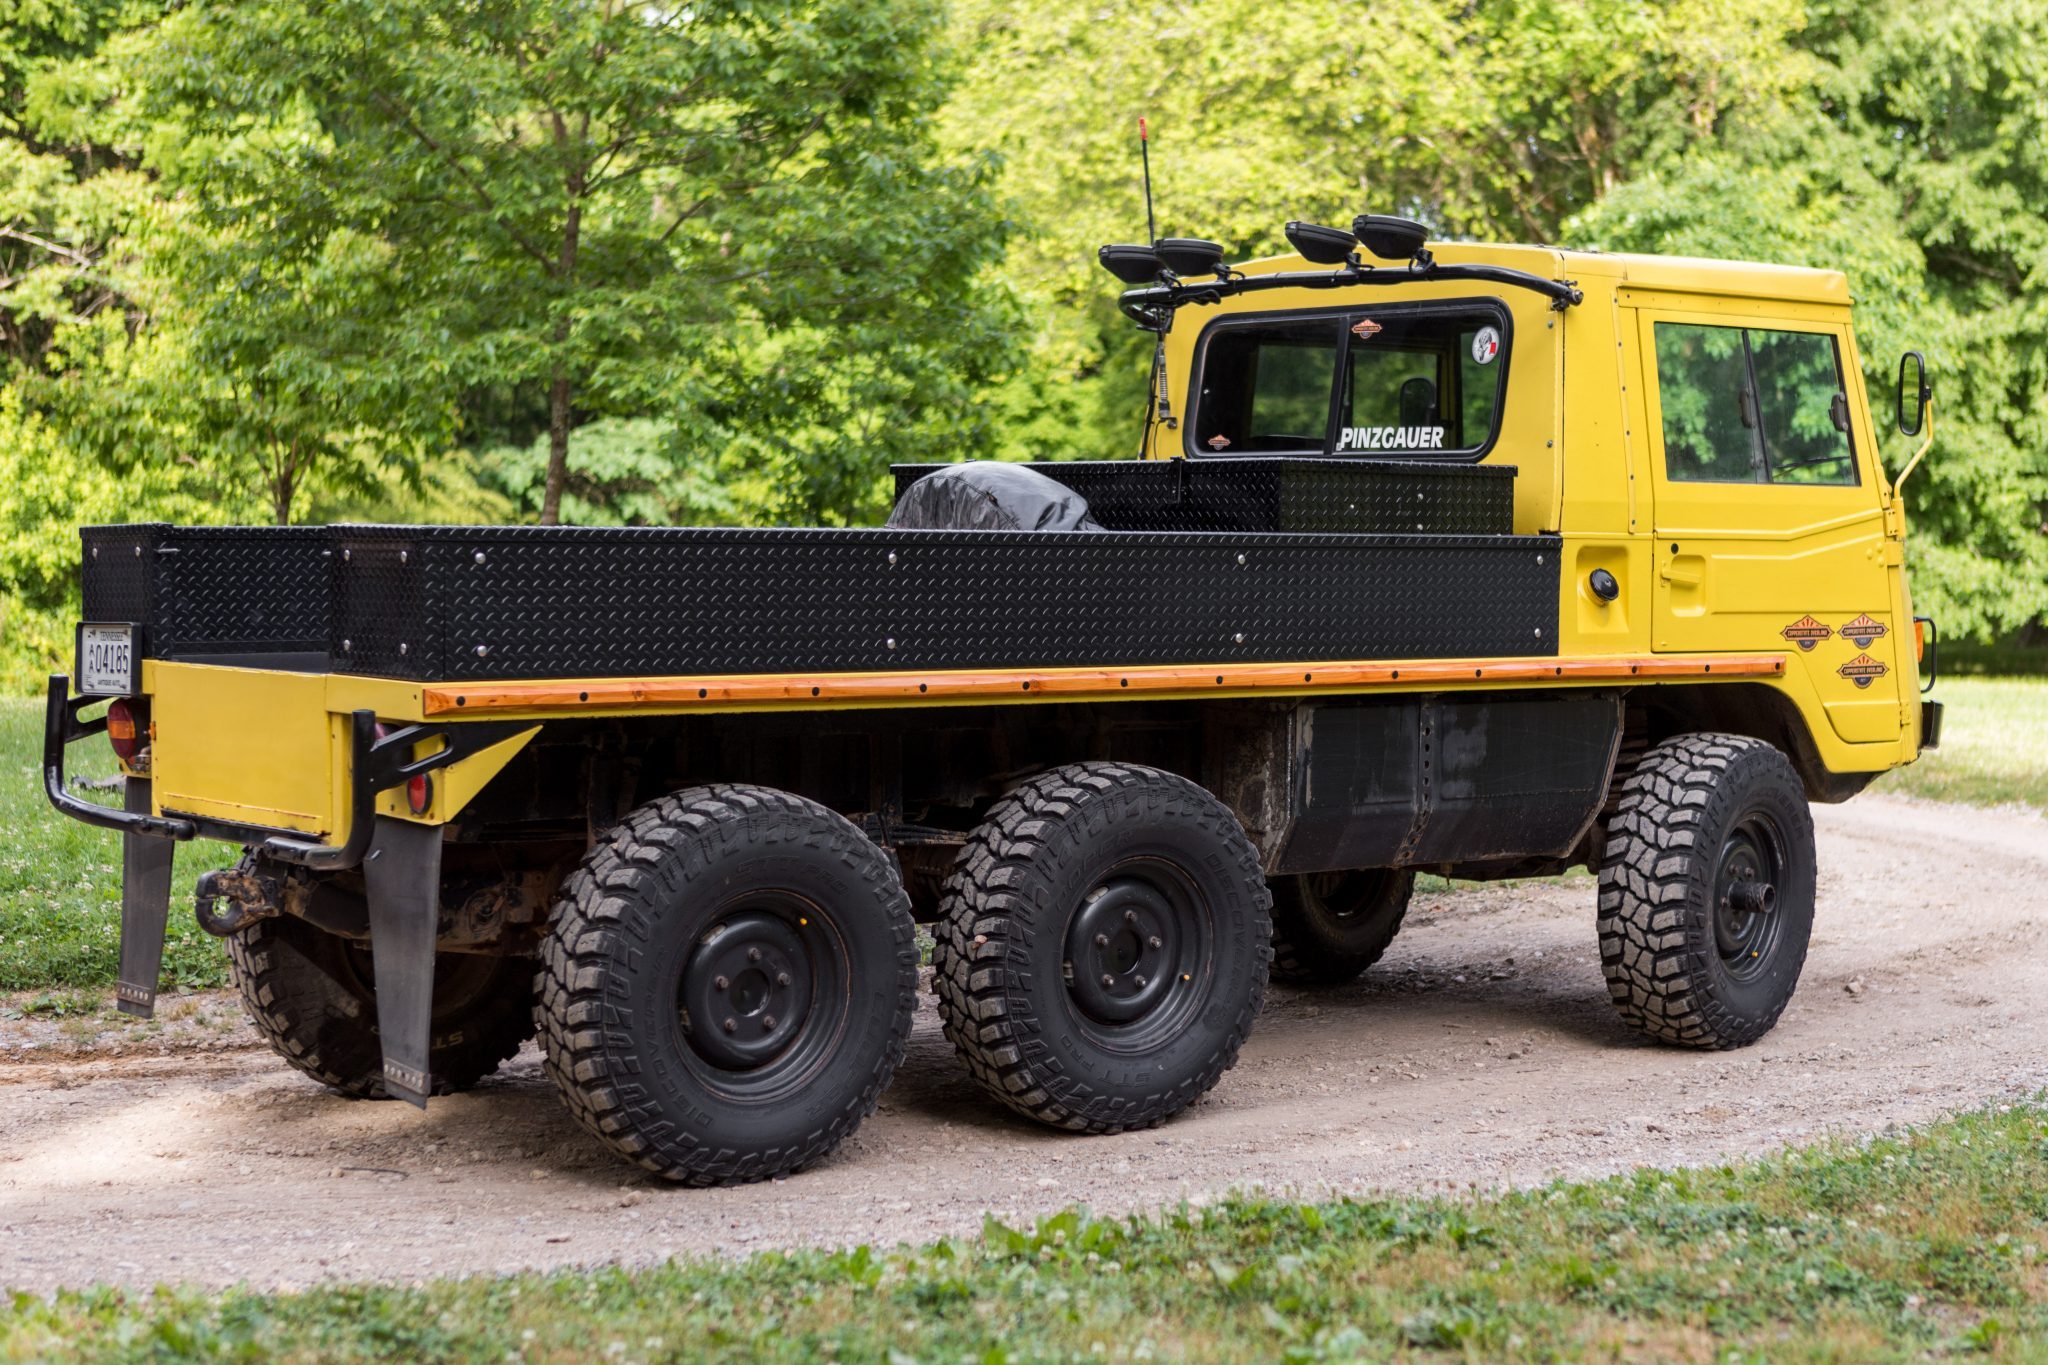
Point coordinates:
[(270, 749), (1710, 573)]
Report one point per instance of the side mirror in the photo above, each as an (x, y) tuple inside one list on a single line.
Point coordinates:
[(1914, 393)]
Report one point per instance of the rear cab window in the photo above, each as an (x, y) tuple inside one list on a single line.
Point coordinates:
[(1412, 381)]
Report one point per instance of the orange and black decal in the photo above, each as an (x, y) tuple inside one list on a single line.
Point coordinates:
[(1806, 633), (1863, 630), (1861, 669)]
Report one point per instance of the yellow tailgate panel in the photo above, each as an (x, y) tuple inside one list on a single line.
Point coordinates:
[(257, 748)]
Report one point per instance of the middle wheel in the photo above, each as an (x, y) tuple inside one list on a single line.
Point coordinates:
[(1103, 946)]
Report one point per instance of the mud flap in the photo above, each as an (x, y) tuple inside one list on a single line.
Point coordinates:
[(402, 875), (145, 908)]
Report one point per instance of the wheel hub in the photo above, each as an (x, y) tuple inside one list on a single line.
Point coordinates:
[(1121, 951), (746, 990), (1746, 896)]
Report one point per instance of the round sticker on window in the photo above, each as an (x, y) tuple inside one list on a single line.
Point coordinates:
[(1485, 345)]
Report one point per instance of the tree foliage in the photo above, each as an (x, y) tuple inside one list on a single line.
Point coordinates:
[(627, 262), (687, 210)]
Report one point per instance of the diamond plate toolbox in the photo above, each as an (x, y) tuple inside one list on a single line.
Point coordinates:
[(527, 602), (1279, 493)]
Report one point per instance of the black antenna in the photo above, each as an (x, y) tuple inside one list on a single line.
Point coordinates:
[(1145, 156)]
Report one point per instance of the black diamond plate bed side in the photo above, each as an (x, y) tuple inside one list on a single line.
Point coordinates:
[(471, 603), (205, 592)]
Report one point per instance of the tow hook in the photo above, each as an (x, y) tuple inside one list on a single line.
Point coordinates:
[(250, 897)]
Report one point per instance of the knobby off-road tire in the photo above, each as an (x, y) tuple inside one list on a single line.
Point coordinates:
[(311, 995), (1103, 947), (1706, 891), (1330, 926), (727, 984)]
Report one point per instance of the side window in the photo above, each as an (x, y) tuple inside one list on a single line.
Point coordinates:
[(1266, 387), (1745, 405)]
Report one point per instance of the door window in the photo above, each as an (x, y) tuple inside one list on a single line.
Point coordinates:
[(1749, 405)]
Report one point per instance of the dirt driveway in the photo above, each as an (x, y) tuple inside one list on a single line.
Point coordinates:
[(1481, 1052)]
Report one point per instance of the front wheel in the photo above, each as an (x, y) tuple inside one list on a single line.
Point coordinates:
[(1102, 947), (1707, 891)]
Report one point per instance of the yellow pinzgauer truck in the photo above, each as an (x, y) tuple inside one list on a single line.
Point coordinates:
[(1489, 561)]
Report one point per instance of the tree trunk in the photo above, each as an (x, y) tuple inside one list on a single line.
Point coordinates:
[(282, 485), (558, 441)]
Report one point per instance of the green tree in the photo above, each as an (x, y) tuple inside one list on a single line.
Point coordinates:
[(729, 215), (1917, 161)]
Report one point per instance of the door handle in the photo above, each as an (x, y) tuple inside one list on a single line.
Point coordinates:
[(1684, 575)]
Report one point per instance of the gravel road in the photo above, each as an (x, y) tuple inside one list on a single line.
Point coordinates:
[(1481, 1053)]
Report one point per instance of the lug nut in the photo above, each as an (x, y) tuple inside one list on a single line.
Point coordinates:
[(753, 954), (1102, 940), (723, 983), (1141, 983), (767, 1023), (732, 1026), (782, 978), (1130, 917), (1108, 980), (1156, 941)]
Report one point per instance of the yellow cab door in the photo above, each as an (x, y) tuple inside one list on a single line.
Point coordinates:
[(1765, 495)]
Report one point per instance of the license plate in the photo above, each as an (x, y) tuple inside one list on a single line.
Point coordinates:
[(106, 661)]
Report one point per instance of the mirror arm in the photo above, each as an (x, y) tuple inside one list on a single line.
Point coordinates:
[(1927, 421)]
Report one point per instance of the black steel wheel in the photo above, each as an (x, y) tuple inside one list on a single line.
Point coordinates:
[(727, 984), (1103, 947), (1330, 926), (311, 994), (1707, 890)]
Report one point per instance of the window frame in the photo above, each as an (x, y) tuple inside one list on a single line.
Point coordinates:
[(1764, 476), (1495, 309)]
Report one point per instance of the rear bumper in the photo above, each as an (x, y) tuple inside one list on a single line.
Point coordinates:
[(61, 726), (379, 759)]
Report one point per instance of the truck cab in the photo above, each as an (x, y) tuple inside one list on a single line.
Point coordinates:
[(1698, 432)]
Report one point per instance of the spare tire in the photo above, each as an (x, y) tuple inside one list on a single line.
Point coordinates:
[(991, 496)]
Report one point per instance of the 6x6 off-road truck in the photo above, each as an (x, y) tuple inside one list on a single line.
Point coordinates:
[(1489, 561)]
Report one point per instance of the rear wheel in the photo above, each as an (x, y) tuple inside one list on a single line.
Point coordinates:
[(727, 985), (1330, 926), (1707, 890), (1103, 947), (311, 995)]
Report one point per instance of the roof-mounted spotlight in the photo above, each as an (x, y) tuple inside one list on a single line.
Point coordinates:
[(1131, 263), (1186, 256), (1321, 245), (1390, 238)]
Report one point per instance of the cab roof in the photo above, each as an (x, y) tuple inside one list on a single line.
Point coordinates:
[(1677, 274)]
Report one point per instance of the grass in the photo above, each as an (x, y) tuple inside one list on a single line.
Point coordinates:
[(1928, 1242), (60, 881), (1994, 745)]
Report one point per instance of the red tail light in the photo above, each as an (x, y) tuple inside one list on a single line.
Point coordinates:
[(128, 728), (419, 794)]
